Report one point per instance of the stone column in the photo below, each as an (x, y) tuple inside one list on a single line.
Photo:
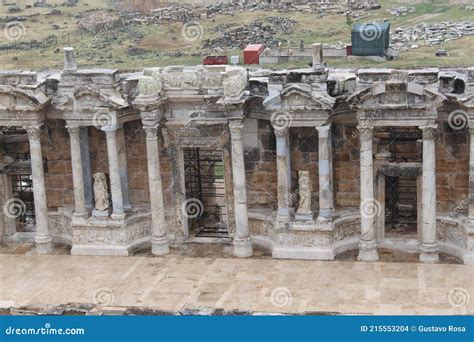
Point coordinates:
[(43, 237), (159, 238), (368, 206), (471, 177), (114, 174), (242, 240), (77, 172), (429, 243), (283, 216), (326, 201), (123, 169), (86, 167)]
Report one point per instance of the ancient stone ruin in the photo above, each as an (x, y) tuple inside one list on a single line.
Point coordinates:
[(307, 163)]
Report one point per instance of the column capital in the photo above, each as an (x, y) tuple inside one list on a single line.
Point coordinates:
[(109, 128), (34, 132), (73, 129), (471, 129), (429, 131), (151, 131), (323, 130), (235, 127), (281, 132)]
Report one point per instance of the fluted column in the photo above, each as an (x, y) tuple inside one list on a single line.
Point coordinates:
[(43, 236), (242, 240), (77, 172), (114, 174), (368, 206), (429, 243), (326, 201), (283, 215), (159, 238)]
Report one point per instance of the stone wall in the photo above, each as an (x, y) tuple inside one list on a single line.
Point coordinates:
[(452, 168), (346, 165), (260, 164)]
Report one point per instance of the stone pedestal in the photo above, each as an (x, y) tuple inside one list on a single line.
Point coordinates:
[(242, 240), (429, 242), (367, 243), (43, 237)]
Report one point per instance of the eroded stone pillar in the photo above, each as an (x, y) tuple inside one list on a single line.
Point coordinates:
[(114, 174), (86, 168), (123, 167), (429, 243), (80, 210), (242, 239), (369, 205), (159, 238), (43, 237), (283, 216), (326, 201)]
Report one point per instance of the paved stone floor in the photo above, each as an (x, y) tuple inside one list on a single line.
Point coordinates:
[(178, 282)]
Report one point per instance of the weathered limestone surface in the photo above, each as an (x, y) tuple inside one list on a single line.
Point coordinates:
[(133, 128)]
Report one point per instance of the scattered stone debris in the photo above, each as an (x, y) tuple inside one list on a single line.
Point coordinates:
[(441, 53), (431, 34), (401, 11), (96, 22), (257, 32)]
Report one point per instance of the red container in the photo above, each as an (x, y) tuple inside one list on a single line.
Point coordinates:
[(215, 60), (349, 50), (252, 53)]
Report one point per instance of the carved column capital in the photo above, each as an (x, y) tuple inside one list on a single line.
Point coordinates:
[(323, 131), (281, 132), (34, 132), (235, 127), (366, 132), (151, 132), (73, 129), (429, 132)]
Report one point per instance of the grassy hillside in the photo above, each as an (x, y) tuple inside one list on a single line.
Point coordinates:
[(138, 45)]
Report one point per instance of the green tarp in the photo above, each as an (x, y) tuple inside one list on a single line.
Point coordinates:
[(370, 39)]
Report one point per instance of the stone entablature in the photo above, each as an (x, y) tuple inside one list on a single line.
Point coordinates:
[(209, 107)]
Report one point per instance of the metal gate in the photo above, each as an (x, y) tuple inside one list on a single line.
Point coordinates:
[(205, 191), (22, 189), (401, 190)]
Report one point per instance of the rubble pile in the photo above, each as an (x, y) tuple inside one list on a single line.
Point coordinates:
[(430, 34), (257, 32), (401, 11), (99, 21)]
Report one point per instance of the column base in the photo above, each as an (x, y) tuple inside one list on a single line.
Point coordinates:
[(429, 253), (243, 247), (324, 219), (368, 251), (43, 245), (282, 221), (160, 245)]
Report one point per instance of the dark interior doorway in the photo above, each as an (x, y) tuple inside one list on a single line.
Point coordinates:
[(404, 145), (205, 182), (22, 190)]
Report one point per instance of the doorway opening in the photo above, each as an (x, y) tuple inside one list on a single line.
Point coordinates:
[(205, 192), (22, 190), (401, 179)]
